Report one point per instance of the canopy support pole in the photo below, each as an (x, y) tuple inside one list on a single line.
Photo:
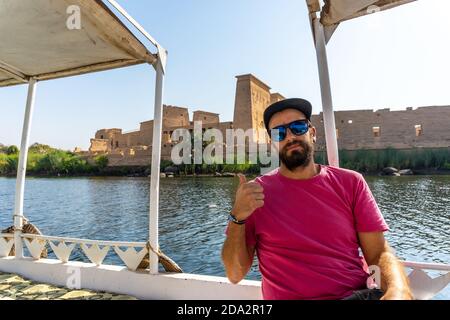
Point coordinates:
[(155, 168), (22, 169), (160, 67), (325, 87)]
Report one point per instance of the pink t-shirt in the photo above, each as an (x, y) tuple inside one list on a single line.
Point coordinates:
[(306, 234)]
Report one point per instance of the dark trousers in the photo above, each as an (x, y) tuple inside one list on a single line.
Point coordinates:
[(366, 294)]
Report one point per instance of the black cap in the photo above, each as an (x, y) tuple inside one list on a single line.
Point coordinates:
[(301, 105)]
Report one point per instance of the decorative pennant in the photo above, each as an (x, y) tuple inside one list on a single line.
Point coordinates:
[(94, 253), (424, 287), (5, 246), (62, 251), (131, 257), (35, 246)]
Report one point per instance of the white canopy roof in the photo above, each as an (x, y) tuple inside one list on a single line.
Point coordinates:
[(36, 42), (336, 11)]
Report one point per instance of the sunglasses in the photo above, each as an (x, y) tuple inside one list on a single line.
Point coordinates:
[(298, 128)]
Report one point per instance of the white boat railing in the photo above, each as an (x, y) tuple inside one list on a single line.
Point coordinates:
[(424, 287), (6, 243), (426, 266), (131, 253)]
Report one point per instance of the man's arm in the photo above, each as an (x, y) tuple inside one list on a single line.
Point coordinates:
[(236, 256), (376, 250)]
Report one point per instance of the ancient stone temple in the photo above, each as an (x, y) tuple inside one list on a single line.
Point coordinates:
[(425, 127)]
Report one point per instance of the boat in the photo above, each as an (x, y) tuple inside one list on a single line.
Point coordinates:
[(39, 43)]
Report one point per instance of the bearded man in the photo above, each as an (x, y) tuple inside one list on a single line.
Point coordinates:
[(308, 223)]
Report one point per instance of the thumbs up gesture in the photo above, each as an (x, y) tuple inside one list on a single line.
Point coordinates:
[(249, 197)]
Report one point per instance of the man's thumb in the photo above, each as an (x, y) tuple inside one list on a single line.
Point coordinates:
[(242, 179)]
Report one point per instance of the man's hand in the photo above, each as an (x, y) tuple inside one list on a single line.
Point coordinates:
[(249, 197), (237, 256)]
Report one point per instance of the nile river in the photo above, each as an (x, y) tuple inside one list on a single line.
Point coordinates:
[(193, 214)]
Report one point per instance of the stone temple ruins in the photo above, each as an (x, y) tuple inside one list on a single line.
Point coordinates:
[(426, 127)]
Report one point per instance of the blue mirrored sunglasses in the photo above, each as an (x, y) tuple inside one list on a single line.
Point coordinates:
[(298, 128)]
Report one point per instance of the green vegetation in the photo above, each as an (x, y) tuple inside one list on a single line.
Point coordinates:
[(446, 165), (364, 161), (11, 150), (248, 167), (45, 160), (101, 161), (370, 161)]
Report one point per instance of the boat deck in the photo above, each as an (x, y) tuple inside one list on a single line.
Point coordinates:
[(14, 287)]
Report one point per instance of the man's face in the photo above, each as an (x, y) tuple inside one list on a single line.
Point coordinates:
[(294, 151)]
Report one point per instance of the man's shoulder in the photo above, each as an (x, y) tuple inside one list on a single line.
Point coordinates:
[(269, 176), (342, 173), (332, 172)]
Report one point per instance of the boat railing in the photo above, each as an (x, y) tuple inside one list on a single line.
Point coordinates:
[(6, 243), (424, 287), (427, 266), (131, 253)]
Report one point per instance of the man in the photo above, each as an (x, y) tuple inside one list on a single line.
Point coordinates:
[(307, 222)]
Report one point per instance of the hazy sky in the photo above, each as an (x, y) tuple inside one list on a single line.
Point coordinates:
[(396, 59)]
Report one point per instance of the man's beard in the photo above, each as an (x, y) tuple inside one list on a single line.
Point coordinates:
[(297, 158)]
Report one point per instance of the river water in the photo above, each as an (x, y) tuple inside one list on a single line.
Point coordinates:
[(193, 214)]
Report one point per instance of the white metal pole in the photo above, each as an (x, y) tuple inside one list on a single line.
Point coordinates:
[(119, 8), (155, 167), (327, 103), (161, 51), (21, 170)]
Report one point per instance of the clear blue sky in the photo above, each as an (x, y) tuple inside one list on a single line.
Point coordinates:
[(394, 59)]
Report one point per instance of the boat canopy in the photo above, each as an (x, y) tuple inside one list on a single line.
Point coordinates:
[(324, 22), (336, 11), (49, 39), (37, 40)]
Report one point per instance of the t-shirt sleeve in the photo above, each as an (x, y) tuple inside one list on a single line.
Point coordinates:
[(250, 233), (368, 217)]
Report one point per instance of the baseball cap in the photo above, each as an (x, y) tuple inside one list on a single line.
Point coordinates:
[(301, 105)]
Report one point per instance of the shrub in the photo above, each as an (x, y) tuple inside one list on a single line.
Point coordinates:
[(101, 162), (11, 150)]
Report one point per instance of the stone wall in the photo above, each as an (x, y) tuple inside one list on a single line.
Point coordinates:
[(252, 98), (175, 116), (275, 97), (206, 117), (99, 146), (427, 127)]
